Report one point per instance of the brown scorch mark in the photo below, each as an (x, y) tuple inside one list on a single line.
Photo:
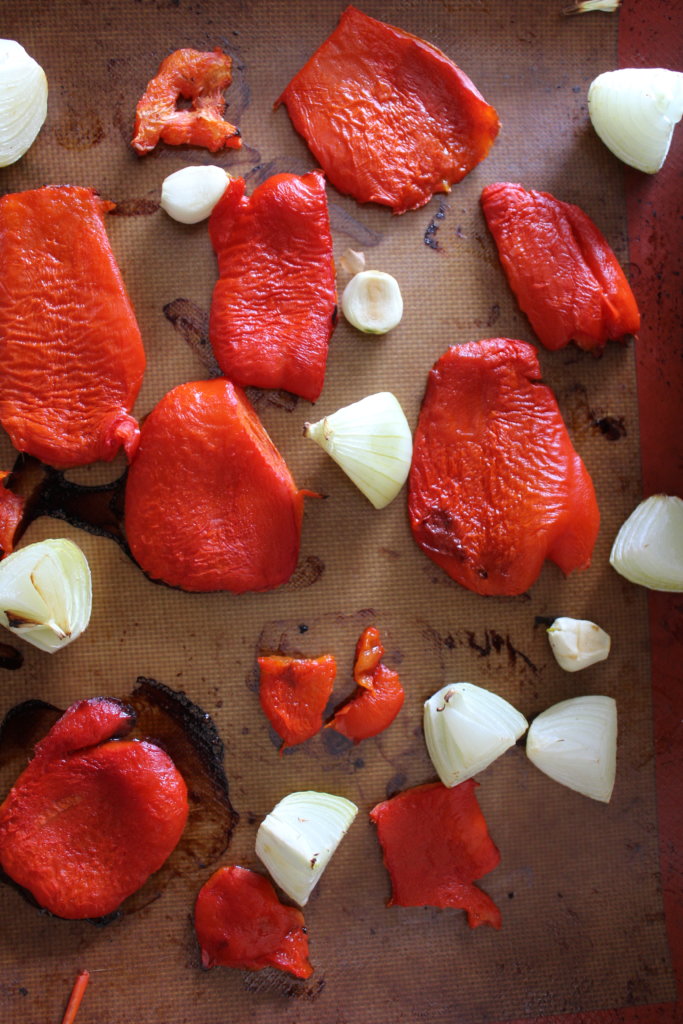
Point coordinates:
[(10, 657), (430, 238), (136, 207), (492, 642), (192, 324)]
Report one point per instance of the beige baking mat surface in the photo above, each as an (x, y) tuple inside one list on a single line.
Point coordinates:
[(578, 881)]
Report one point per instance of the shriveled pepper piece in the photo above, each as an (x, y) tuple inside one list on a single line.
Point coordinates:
[(379, 696), (388, 116), (191, 75), (210, 503), (496, 486), (92, 816), (240, 922), (70, 349), (294, 693), (562, 270), (436, 844), (274, 305)]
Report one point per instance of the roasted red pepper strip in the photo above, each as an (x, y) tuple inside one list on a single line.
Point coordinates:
[(91, 817), (210, 503), (435, 844), (240, 922), (496, 486), (379, 696), (70, 349), (294, 693), (563, 273), (389, 118), (192, 75), (274, 306)]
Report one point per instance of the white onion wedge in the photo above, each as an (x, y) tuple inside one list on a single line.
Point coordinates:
[(648, 548), (23, 101)]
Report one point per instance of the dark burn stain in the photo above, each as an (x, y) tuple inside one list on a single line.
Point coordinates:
[(273, 982), (136, 207), (430, 238), (611, 427), (187, 733), (395, 784), (334, 743), (494, 315), (492, 642), (79, 129), (192, 324), (10, 657), (278, 399), (306, 574)]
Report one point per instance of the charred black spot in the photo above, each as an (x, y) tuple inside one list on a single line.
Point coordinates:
[(611, 427)]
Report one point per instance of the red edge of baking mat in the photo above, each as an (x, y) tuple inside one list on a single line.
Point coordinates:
[(651, 35)]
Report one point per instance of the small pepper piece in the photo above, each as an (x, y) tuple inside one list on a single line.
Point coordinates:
[(294, 693), (239, 922), (191, 75), (210, 503), (70, 348), (435, 844), (496, 486), (12, 509), (563, 272), (388, 116), (379, 696), (93, 815), (274, 305)]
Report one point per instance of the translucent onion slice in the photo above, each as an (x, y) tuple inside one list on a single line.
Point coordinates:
[(23, 101), (46, 593), (648, 548), (466, 728), (575, 743), (297, 839), (635, 111), (371, 441)]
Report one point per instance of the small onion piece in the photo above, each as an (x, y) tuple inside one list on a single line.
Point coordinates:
[(46, 593), (577, 643), (297, 839), (635, 111), (371, 441), (575, 743), (466, 728), (648, 548), (372, 302), (190, 194), (23, 101)]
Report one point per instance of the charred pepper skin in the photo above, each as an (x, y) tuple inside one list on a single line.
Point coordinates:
[(388, 116), (209, 501), (496, 486), (191, 75), (70, 348), (93, 815), (274, 305), (240, 922), (560, 267)]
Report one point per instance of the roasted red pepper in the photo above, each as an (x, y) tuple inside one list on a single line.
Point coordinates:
[(12, 507), (388, 116), (563, 273), (70, 349), (274, 305), (240, 922), (379, 696), (496, 486), (190, 75), (92, 816), (435, 844), (210, 503), (294, 693)]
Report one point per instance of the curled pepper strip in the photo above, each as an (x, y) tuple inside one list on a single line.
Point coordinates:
[(190, 75), (379, 696), (240, 922)]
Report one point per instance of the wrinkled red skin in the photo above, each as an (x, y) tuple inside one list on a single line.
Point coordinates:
[(210, 503), (435, 844), (389, 117), (11, 514), (294, 693), (496, 486), (91, 817), (70, 348), (560, 267), (191, 75), (274, 305), (240, 922), (379, 696)]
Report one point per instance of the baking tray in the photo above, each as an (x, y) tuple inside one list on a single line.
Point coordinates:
[(590, 922)]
